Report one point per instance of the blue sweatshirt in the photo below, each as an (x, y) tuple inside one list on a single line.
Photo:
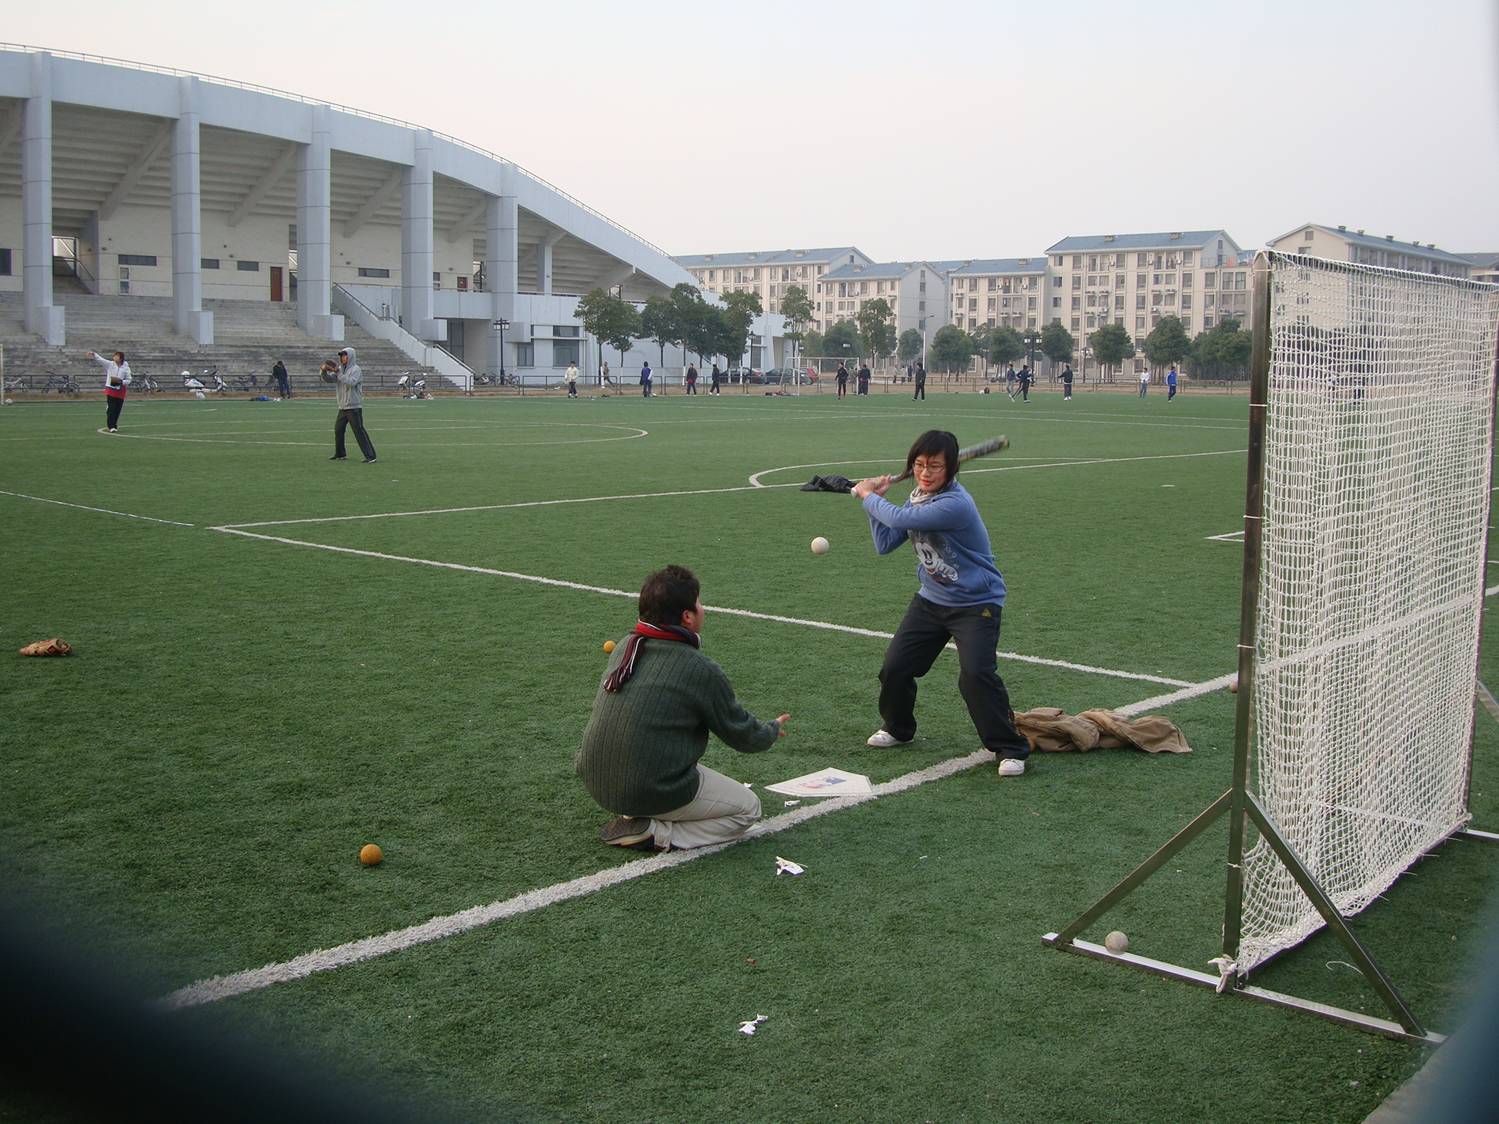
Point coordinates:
[(955, 563)]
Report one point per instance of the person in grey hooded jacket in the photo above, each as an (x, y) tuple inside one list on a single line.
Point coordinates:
[(350, 380)]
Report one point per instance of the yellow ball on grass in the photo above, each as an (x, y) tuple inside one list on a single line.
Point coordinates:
[(608, 646), (370, 854)]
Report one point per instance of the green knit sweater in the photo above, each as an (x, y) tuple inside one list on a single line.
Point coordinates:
[(640, 751)]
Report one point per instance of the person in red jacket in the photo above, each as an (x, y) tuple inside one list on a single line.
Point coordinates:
[(116, 382)]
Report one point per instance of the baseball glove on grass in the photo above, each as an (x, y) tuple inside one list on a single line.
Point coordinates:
[(57, 646)]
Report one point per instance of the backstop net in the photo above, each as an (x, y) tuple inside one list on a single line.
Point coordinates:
[(1378, 441)]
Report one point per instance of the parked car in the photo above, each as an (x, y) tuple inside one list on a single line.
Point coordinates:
[(744, 374)]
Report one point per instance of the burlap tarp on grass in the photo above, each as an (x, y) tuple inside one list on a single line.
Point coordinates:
[(1050, 729)]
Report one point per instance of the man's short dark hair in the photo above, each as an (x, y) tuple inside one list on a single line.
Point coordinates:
[(667, 594), (933, 442)]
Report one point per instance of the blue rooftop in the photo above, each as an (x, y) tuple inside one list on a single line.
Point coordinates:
[(981, 266), (879, 271), (766, 257), (1167, 240)]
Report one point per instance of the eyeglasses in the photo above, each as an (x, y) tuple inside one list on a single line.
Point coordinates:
[(923, 467)]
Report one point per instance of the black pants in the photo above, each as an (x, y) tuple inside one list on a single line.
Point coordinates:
[(285, 384), (920, 392), (1025, 392), (923, 633), (572, 389), (355, 418), (1170, 393), (112, 411), (691, 387)]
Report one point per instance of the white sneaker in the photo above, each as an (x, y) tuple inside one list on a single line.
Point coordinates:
[(884, 739), (1011, 767)]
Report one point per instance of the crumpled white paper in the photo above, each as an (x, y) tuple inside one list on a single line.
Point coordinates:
[(786, 866), (749, 1026)]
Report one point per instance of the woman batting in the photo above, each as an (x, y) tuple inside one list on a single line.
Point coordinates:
[(960, 597)]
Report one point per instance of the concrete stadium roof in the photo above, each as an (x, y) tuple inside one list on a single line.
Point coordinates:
[(112, 122)]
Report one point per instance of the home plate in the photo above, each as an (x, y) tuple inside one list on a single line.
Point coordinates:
[(825, 782)]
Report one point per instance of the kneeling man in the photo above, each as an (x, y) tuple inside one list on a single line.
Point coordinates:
[(657, 703)]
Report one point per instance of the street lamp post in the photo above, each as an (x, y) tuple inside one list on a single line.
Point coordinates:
[(500, 325)]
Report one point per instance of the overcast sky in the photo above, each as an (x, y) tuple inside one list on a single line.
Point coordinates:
[(935, 130)]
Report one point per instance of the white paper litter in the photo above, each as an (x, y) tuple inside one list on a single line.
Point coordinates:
[(825, 782), (791, 803), (749, 1027), (786, 866)]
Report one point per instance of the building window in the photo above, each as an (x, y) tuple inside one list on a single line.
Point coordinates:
[(1142, 259), (1186, 301), (564, 353), (1139, 300), (1077, 282), (247, 266), (208, 263), (1077, 261), (1209, 280), (1186, 280), (1056, 302), (1077, 323), (370, 271), (1186, 257), (4, 263), (137, 259)]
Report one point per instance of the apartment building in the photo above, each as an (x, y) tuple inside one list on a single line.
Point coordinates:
[(1483, 266), (1341, 244), (771, 272), (997, 292), (1135, 279), (915, 291)]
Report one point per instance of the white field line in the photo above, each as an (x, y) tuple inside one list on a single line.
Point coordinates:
[(559, 583), (438, 928), (632, 433), (1227, 536), (755, 479), (753, 485), (101, 510)]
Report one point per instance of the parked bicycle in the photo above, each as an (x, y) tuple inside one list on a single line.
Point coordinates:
[(63, 384), (413, 384), (145, 384), (250, 383)]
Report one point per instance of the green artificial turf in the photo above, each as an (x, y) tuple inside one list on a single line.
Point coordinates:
[(190, 790)]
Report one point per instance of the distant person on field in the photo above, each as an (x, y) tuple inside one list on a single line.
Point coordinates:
[(645, 379), (604, 379), (116, 385), (691, 379), (716, 380), (350, 380), (571, 378), (283, 380), (1010, 380), (1171, 383), (863, 378), (1144, 381), (658, 701), (1067, 383), (1026, 378), (920, 377), (842, 380)]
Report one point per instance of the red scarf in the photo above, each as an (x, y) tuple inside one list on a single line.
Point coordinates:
[(643, 632)]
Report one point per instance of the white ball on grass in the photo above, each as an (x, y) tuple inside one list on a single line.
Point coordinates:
[(819, 545), (1116, 942)]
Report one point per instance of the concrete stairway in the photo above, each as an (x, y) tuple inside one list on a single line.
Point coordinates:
[(249, 336)]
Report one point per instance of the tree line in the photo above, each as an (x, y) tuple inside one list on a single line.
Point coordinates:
[(1221, 352)]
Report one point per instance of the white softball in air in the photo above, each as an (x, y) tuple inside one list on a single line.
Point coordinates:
[(819, 545)]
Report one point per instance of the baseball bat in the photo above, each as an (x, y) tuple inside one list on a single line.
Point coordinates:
[(982, 449)]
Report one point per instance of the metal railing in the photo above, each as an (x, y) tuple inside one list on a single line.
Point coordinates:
[(235, 83)]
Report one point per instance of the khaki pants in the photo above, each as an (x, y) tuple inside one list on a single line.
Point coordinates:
[(723, 809)]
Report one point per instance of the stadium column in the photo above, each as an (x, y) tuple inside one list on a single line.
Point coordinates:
[(544, 260), (416, 242), (42, 316), (501, 268), (187, 219), (315, 232)]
